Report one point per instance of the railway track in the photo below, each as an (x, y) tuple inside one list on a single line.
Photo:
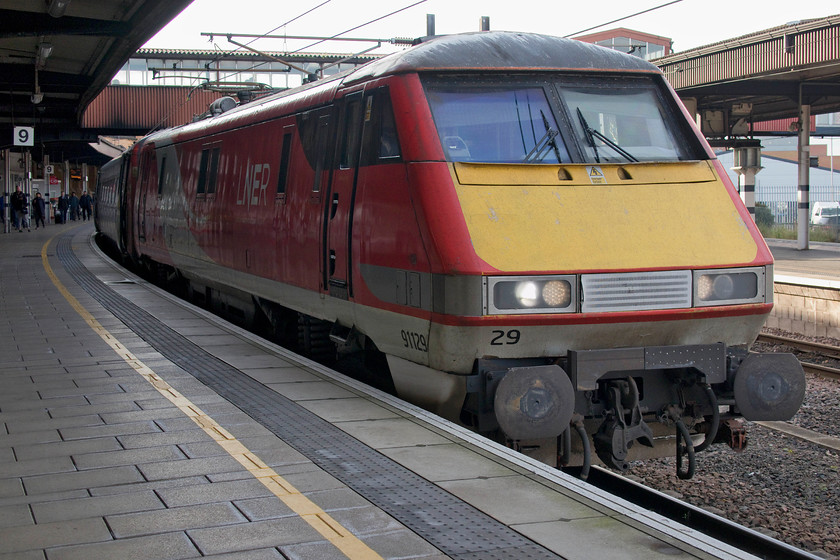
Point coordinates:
[(819, 351), (698, 519), (816, 348)]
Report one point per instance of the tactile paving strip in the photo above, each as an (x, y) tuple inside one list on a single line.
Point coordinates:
[(451, 525)]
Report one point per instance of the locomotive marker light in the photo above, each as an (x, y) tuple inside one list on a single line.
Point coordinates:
[(723, 287), (524, 294)]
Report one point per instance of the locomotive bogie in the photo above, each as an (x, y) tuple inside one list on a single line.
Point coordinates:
[(547, 216)]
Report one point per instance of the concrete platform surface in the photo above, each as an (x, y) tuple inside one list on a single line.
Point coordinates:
[(114, 444)]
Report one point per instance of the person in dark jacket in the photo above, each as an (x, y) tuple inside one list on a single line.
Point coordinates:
[(63, 205), (39, 210), (74, 206), (19, 210), (85, 205)]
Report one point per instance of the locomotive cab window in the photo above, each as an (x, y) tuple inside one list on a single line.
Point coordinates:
[(566, 119), (496, 123), (380, 143), (350, 132), (624, 121)]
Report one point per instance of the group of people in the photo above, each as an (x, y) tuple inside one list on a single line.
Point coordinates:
[(19, 206)]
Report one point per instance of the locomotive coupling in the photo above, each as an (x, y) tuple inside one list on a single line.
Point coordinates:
[(618, 432), (769, 386)]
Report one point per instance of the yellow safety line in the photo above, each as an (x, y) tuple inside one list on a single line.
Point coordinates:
[(328, 527)]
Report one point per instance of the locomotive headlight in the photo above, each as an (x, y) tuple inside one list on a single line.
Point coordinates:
[(728, 287), (718, 286), (527, 293), (530, 294)]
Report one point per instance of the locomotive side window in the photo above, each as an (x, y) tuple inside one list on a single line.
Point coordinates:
[(389, 144), (496, 124), (202, 172), (208, 170), (380, 141), (213, 173), (623, 122), (285, 154), (162, 176), (350, 138)]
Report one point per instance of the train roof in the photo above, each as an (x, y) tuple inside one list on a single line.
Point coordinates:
[(509, 50), (466, 52)]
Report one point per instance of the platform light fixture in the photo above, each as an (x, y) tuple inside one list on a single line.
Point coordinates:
[(56, 8), (44, 51), (37, 97)]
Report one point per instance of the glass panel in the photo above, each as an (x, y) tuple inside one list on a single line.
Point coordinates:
[(162, 178), (389, 143), (285, 153), (621, 124), (499, 124), (213, 173), (202, 172), (351, 133)]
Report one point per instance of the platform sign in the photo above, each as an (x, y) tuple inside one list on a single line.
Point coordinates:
[(24, 136)]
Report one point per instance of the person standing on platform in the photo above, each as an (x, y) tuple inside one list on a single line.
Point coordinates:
[(74, 206), (18, 204), (63, 204), (39, 210), (85, 203)]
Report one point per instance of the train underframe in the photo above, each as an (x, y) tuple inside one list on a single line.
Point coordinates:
[(608, 406), (614, 406)]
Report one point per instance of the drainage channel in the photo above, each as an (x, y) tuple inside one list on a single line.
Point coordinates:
[(451, 525)]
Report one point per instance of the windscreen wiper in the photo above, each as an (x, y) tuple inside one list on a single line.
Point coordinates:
[(591, 134), (540, 149)]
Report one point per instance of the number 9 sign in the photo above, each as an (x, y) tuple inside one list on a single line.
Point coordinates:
[(24, 136)]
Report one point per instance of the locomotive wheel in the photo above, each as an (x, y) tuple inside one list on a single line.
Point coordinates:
[(534, 402), (314, 339)]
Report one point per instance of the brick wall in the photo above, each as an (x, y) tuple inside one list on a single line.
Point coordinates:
[(806, 310)]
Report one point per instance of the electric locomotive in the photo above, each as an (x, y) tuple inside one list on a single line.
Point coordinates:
[(525, 234)]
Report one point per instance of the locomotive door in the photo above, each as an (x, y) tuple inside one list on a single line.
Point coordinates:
[(340, 199)]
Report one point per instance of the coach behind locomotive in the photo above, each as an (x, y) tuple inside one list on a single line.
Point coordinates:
[(529, 229)]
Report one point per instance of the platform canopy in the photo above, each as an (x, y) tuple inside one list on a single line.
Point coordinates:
[(57, 55), (761, 76)]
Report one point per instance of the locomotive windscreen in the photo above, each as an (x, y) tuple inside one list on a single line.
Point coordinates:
[(532, 119)]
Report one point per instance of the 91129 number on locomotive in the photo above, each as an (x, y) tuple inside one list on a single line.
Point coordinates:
[(522, 233)]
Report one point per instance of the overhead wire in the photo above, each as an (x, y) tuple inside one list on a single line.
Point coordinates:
[(222, 53), (362, 25), (257, 65), (621, 19)]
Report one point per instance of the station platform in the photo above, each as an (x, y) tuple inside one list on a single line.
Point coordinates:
[(134, 425), (806, 288), (817, 266)]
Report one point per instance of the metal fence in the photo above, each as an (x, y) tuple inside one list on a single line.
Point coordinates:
[(781, 200)]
